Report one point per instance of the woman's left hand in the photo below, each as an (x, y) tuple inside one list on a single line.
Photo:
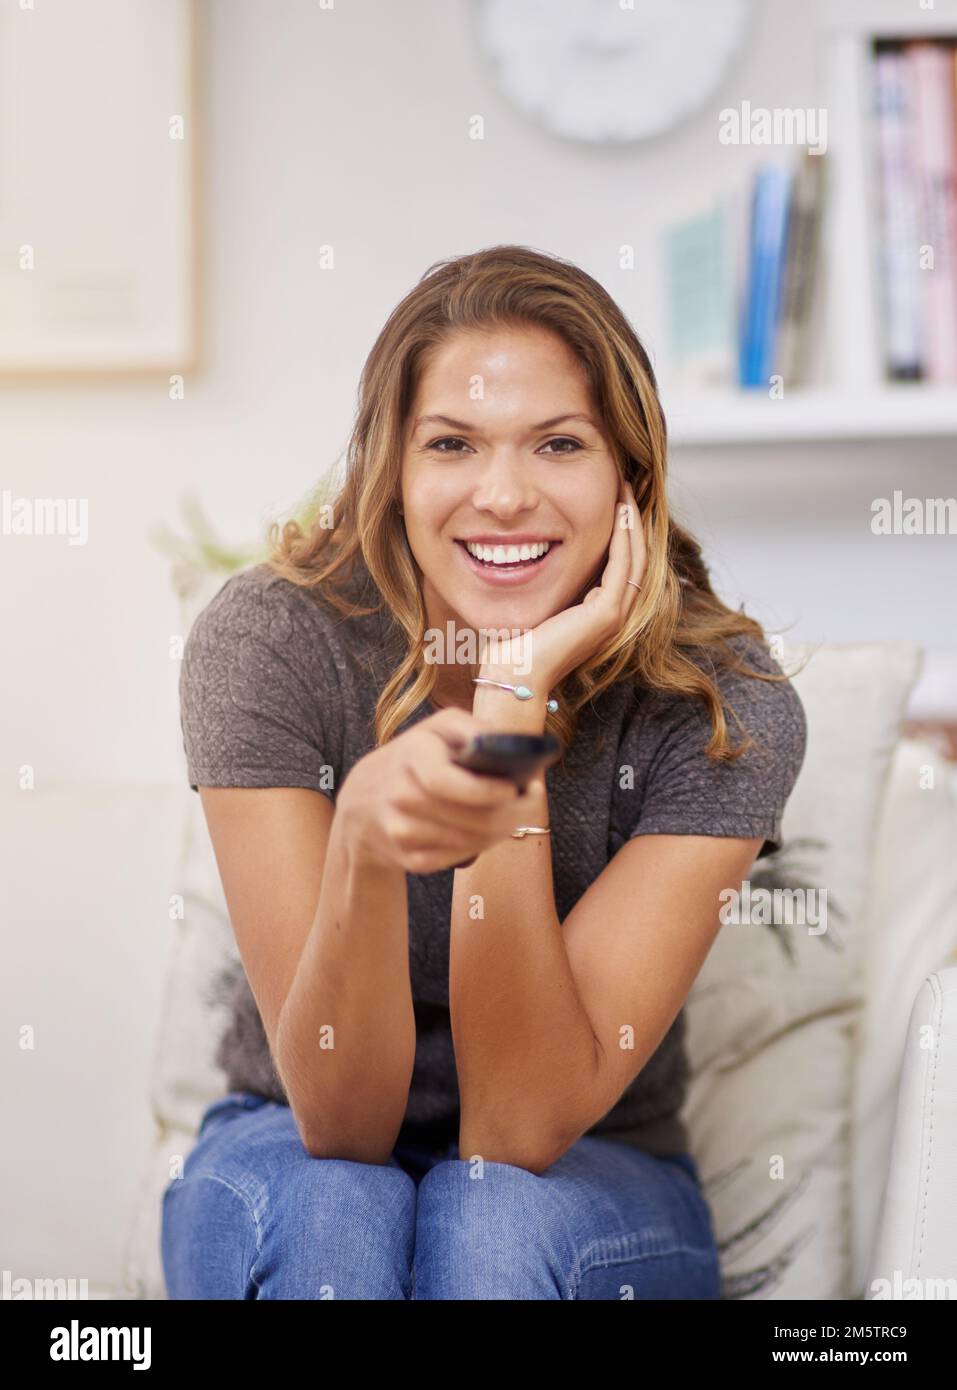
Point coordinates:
[(561, 643)]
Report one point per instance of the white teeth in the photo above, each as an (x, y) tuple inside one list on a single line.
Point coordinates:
[(507, 554)]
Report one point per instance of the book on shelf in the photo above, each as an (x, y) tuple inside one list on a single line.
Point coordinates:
[(899, 267), (699, 279), (783, 256), (741, 280), (801, 259), (770, 205), (915, 110)]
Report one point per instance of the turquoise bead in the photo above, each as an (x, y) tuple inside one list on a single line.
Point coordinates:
[(523, 692), (552, 706)]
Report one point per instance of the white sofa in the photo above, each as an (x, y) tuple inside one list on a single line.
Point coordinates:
[(101, 964), (915, 1252)]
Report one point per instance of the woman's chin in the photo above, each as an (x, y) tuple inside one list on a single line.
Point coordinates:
[(508, 613), (511, 611)]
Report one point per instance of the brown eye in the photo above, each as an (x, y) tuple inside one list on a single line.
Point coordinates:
[(565, 440), (451, 439)]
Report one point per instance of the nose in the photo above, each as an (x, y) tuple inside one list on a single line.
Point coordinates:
[(505, 485)]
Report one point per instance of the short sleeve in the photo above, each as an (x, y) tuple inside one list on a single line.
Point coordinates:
[(686, 792), (257, 701)]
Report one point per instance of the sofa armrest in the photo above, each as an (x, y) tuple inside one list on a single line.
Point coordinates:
[(917, 1232)]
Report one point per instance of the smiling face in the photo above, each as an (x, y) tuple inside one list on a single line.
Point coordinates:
[(509, 499)]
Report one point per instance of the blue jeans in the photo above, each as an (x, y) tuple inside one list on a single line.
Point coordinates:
[(256, 1216)]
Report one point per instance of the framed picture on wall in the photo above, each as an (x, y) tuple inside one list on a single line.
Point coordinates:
[(99, 174)]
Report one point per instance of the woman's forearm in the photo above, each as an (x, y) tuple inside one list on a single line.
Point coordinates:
[(346, 1034), (525, 1050)]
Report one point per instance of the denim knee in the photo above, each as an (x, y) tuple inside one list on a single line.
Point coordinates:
[(486, 1231), (344, 1226), (602, 1223), (256, 1216)]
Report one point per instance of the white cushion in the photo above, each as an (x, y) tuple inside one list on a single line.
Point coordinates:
[(771, 1040), (912, 932)]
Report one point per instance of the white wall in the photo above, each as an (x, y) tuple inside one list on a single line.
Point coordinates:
[(349, 127)]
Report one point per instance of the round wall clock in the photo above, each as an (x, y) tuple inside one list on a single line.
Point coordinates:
[(610, 71)]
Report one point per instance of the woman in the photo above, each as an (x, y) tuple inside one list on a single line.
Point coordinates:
[(456, 1064)]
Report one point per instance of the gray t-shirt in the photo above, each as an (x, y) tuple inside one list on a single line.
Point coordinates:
[(278, 689)]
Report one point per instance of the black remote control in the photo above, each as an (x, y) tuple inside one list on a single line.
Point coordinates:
[(517, 756)]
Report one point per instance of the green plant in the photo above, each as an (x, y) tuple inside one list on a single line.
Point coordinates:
[(200, 551)]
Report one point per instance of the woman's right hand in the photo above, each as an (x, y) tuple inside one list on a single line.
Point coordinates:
[(408, 806)]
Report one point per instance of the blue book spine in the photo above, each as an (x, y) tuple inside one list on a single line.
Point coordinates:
[(748, 327), (769, 224)]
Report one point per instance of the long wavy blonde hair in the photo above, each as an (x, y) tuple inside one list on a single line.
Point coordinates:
[(677, 615)]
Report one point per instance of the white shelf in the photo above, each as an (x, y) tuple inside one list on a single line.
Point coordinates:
[(738, 417)]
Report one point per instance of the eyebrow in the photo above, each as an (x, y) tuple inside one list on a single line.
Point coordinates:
[(464, 425)]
